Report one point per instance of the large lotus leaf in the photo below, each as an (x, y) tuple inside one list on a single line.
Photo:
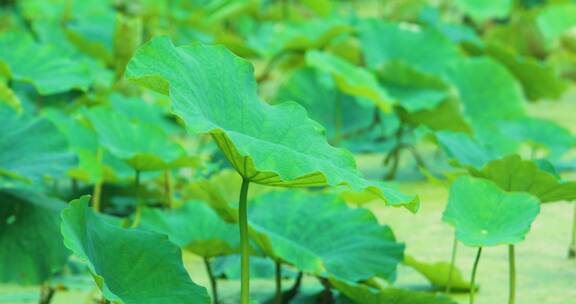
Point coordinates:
[(195, 227), (139, 110), (464, 149), (84, 141), (488, 91), (92, 29), (319, 234), (32, 147), (42, 65), (539, 79), (485, 215), (351, 79), (482, 10), (384, 41), (438, 274), (272, 38), (447, 115), (214, 92), (414, 90), (511, 173), (317, 92), (31, 248), (142, 146), (129, 265), (555, 20), (540, 133), (362, 294)]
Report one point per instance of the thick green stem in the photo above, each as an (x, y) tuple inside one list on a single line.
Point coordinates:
[(245, 243), (452, 265), (213, 283), (278, 297), (473, 279), (512, 277), (138, 214), (572, 249)]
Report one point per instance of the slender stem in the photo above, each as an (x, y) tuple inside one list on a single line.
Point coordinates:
[(473, 279), (278, 298), (74, 186), (293, 291), (452, 265), (572, 250), (168, 188), (245, 243), (138, 214), (213, 283), (97, 191), (46, 293), (512, 278)]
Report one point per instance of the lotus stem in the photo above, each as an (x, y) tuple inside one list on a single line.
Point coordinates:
[(572, 249), (46, 293), (213, 283), (452, 265), (168, 188), (512, 287), (278, 297), (138, 214), (245, 243), (97, 191), (473, 279)]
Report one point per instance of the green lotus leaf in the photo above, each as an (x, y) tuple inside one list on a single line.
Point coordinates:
[(513, 174), (438, 274), (485, 215), (42, 65), (143, 146), (487, 90), (31, 248), (362, 294), (484, 10), (84, 142), (195, 227), (129, 265), (137, 109), (540, 133), (320, 7), (386, 41), (414, 90), (8, 96), (32, 147), (351, 79), (352, 245), (273, 38), (318, 94), (464, 149), (540, 80), (447, 115), (554, 20), (93, 29), (214, 92)]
